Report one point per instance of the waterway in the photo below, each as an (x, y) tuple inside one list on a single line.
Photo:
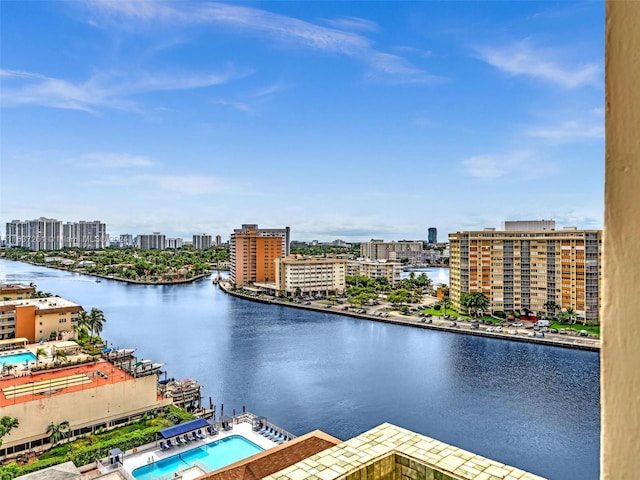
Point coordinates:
[(532, 406)]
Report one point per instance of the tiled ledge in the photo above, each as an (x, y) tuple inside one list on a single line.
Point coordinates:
[(388, 452)]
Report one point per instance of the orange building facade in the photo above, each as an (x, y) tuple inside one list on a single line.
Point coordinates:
[(253, 252)]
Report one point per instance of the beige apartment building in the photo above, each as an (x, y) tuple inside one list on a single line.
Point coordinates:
[(15, 291), (253, 252), (392, 271), (37, 319), (89, 396), (527, 269), (312, 275), (381, 250)]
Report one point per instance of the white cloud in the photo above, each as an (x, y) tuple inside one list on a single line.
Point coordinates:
[(102, 90), (541, 63), (568, 131), (514, 166), (112, 160), (353, 23), (295, 32)]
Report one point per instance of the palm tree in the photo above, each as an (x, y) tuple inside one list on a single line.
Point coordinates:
[(60, 355), (445, 302), (40, 352), (6, 425), (82, 322), (58, 431), (475, 302), (96, 321)]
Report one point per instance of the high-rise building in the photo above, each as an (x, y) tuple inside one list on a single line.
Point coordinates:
[(154, 241), (174, 243), (527, 269), (82, 234), (381, 250), (432, 236), (202, 241), (253, 252), (529, 225), (218, 240), (40, 234)]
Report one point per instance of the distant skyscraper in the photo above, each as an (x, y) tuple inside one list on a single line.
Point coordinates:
[(433, 235), (202, 241), (82, 234), (174, 243), (218, 240), (40, 234), (155, 241)]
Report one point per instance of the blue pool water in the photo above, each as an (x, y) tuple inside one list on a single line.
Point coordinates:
[(17, 358), (209, 457)]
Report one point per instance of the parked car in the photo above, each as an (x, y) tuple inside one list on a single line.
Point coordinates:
[(562, 331), (516, 324), (583, 333)]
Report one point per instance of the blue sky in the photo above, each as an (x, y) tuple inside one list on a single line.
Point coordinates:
[(351, 120)]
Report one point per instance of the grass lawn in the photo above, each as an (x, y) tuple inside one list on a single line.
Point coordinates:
[(592, 329)]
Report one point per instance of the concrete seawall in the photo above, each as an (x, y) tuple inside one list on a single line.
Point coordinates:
[(575, 342)]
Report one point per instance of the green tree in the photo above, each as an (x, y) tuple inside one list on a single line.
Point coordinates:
[(445, 303), (399, 296), (96, 321), (58, 431), (6, 425), (475, 302), (60, 355), (40, 352)]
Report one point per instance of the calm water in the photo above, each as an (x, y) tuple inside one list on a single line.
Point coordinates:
[(211, 456), (532, 406)]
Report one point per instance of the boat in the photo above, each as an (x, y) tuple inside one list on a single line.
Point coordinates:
[(111, 354), (98, 281), (146, 366)]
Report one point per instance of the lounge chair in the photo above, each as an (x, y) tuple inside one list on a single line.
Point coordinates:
[(211, 430), (170, 444), (186, 438), (194, 436), (200, 435), (179, 441)]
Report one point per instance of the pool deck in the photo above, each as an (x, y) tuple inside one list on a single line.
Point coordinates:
[(153, 454)]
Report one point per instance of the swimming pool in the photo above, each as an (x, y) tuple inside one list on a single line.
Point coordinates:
[(209, 457), (17, 358)]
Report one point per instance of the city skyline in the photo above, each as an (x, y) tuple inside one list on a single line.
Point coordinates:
[(349, 120)]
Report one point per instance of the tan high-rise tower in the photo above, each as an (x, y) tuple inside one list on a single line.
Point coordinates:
[(520, 270)]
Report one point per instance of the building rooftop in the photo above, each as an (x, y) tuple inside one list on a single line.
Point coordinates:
[(35, 386), (388, 451), (42, 303)]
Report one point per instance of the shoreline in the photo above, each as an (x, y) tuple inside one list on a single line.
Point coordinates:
[(119, 279), (573, 342)]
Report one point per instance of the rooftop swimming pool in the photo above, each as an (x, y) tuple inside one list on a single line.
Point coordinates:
[(17, 358), (208, 457)]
